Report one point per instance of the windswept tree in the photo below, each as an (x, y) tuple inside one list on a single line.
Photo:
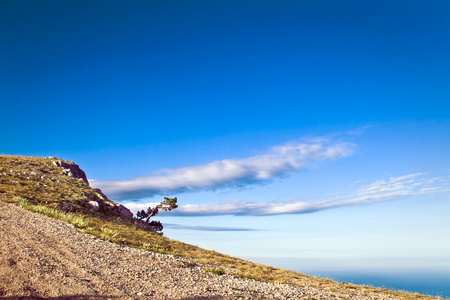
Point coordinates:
[(167, 205)]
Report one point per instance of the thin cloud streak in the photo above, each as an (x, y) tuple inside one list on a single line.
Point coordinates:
[(206, 228), (379, 191), (135, 207), (227, 173)]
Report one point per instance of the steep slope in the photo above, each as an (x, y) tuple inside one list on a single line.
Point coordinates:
[(42, 257)]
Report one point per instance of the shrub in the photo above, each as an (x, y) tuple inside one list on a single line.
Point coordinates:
[(217, 271)]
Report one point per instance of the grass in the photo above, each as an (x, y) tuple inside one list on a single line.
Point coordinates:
[(108, 234), (217, 271), (38, 185), (71, 218)]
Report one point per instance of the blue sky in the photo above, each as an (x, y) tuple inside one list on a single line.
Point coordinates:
[(285, 128)]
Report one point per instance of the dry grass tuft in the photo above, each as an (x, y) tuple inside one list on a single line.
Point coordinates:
[(108, 234)]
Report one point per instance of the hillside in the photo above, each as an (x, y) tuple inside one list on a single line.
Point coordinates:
[(44, 257)]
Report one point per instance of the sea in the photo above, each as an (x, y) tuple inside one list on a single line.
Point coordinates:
[(428, 276)]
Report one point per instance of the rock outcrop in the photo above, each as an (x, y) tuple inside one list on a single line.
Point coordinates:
[(54, 182), (71, 169), (111, 205)]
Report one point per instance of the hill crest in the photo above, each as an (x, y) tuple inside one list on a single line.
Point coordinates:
[(56, 183)]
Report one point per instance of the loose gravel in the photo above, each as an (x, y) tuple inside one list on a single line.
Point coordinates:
[(41, 257)]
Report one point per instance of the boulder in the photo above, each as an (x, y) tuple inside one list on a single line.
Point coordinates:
[(94, 205), (113, 205), (124, 211)]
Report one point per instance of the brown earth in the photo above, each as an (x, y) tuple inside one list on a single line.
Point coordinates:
[(43, 258)]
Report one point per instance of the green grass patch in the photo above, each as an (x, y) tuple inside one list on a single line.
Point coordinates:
[(217, 271), (71, 218), (109, 235)]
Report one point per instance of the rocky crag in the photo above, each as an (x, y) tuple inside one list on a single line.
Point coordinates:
[(55, 183)]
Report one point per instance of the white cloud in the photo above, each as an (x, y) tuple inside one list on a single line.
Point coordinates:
[(135, 207), (225, 173), (378, 191), (206, 228), (403, 183)]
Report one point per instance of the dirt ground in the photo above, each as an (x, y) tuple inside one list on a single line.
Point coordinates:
[(43, 258)]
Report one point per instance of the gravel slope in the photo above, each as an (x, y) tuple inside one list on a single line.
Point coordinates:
[(44, 257)]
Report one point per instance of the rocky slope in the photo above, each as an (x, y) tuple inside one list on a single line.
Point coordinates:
[(55, 183)]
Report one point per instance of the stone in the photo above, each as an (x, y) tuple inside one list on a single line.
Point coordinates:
[(100, 194), (125, 211), (94, 205), (64, 207)]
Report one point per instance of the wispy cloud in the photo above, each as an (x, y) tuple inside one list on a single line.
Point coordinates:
[(359, 131), (135, 207), (206, 228), (280, 160), (379, 191)]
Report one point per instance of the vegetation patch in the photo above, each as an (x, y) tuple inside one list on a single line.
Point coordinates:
[(71, 218), (217, 271), (108, 234)]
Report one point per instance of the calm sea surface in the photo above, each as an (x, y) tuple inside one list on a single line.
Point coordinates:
[(429, 276)]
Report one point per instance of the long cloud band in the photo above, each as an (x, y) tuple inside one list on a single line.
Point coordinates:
[(226, 173)]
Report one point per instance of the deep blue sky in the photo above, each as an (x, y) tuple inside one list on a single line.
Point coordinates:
[(299, 112), (116, 73)]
